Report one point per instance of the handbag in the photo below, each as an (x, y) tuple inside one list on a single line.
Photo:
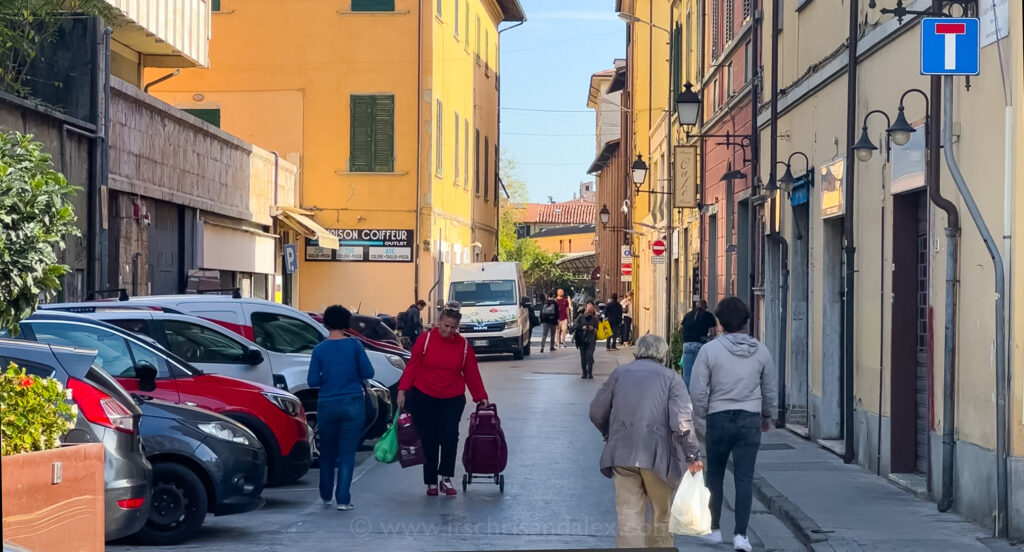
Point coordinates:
[(386, 448), (410, 450), (604, 330)]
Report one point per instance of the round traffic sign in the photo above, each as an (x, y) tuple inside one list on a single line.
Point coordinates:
[(627, 269), (658, 248)]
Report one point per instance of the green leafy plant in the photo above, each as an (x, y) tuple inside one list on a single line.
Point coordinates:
[(27, 25), (35, 219), (675, 351), (34, 412)]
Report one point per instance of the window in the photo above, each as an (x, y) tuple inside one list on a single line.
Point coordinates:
[(31, 368), (112, 349), (466, 160), (730, 22), (197, 343), (215, 5), (747, 10), (456, 19), (372, 147), (484, 293), (211, 116), (728, 80), (496, 172), (373, 5), (677, 61), (487, 168), (439, 141), (284, 334), (132, 325), (478, 38), (487, 48), (440, 12), (748, 67), (476, 160), (466, 34), (143, 354), (456, 166)]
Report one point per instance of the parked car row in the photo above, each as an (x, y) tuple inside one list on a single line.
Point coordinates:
[(197, 411)]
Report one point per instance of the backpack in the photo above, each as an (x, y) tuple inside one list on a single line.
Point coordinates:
[(401, 318), (549, 309), (465, 348)]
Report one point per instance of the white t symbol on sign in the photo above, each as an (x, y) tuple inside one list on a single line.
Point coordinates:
[(950, 31)]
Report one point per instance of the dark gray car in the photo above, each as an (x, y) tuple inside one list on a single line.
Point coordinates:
[(108, 415)]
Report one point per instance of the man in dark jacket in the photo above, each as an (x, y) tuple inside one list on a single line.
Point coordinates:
[(549, 320), (412, 325), (613, 314)]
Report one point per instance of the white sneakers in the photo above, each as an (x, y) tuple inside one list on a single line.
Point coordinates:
[(327, 503), (715, 537), (740, 543), (347, 507)]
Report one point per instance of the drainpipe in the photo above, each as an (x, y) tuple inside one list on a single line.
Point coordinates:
[(783, 329), (105, 158), (754, 268), (881, 316), (1002, 382), (774, 157), (932, 178), (419, 153), (849, 248)]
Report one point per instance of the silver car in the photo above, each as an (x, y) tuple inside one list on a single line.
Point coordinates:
[(108, 415)]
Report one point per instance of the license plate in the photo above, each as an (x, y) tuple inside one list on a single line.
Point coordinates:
[(480, 342)]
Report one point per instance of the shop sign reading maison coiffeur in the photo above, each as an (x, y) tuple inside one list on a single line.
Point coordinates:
[(372, 245)]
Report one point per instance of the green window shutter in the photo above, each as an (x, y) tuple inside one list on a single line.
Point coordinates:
[(373, 5), (384, 134), (211, 116), (215, 5), (476, 161), (362, 133), (677, 61)]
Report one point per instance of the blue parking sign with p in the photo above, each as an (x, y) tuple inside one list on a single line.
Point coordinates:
[(291, 258), (950, 46)]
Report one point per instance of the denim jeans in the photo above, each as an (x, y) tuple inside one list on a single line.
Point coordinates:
[(690, 351), (340, 423), (548, 330), (735, 432)]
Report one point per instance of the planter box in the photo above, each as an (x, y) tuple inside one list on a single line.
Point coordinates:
[(45, 516)]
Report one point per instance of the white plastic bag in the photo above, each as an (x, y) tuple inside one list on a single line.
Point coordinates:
[(691, 513)]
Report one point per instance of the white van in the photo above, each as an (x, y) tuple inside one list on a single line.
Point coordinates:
[(494, 306)]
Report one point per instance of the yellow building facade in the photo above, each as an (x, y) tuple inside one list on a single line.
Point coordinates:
[(390, 109)]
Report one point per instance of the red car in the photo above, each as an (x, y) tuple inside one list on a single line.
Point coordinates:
[(276, 417)]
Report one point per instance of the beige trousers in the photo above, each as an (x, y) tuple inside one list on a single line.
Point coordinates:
[(561, 333), (634, 488)]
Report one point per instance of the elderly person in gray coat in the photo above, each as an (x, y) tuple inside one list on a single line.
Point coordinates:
[(644, 413)]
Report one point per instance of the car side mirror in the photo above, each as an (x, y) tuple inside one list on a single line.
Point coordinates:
[(146, 373), (253, 356)]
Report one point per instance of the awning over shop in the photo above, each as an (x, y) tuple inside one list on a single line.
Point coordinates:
[(603, 158), (298, 219), (236, 248)]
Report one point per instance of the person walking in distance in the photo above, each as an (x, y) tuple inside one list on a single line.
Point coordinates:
[(585, 336), (613, 314), (698, 325), (735, 395), (433, 387), (627, 319), (549, 321), (412, 323), (337, 368), (645, 415), (564, 314)]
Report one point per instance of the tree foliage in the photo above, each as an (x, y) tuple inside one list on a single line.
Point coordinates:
[(28, 25), (35, 219), (539, 267)]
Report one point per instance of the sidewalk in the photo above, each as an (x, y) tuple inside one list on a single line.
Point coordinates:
[(830, 505)]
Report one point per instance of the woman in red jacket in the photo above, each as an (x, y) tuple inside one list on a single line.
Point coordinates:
[(434, 389)]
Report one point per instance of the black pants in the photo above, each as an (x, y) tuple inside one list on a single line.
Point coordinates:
[(616, 334), (736, 432), (587, 347), (627, 330), (437, 423)]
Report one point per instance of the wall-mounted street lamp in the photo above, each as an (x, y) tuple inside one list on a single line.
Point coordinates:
[(901, 130), (639, 172), (788, 180), (688, 106), (605, 216), (865, 148)]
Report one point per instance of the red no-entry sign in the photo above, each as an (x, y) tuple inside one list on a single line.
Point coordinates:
[(658, 248), (627, 269)]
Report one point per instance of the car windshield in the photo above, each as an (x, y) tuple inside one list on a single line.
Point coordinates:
[(485, 293), (373, 328)]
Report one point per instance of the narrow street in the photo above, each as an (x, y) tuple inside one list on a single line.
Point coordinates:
[(555, 497)]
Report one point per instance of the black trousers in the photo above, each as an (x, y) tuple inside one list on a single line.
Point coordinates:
[(587, 347), (437, 423), (616, 336), (736, 433)]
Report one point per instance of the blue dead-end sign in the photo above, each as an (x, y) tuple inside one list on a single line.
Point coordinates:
[(950, 46)]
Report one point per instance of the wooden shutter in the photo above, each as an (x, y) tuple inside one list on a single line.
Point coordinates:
[(466, 37), (476, 160), (497, 189), (456, 166), (716, 9), (215, 5), (373, 5), (383, 134), (456, 18), (361, 135), (677, 63), (487, 168), (439, 141), (730, 21), (211, 116), (466, 160)]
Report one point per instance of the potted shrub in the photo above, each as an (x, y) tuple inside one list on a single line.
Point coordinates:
[(50, 492)]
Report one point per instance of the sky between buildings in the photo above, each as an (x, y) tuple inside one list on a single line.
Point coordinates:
[(546, 65)]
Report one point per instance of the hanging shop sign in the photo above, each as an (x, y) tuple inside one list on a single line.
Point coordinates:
[(833, 179), (366, 245), (685, 177)]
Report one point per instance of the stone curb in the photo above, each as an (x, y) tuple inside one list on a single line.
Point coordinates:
[(804, 528)]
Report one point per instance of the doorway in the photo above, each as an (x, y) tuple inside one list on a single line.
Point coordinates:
[(800, 276), (910, 374), (829, 415), (743, 252)]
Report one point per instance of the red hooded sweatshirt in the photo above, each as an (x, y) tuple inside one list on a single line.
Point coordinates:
[(446, 368)]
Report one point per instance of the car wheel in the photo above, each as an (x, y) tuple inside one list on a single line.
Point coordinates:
[(517, 354), (178, 507), (526, 348)]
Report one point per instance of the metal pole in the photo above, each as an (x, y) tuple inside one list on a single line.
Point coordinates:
[(1002, 500), (848, 196)]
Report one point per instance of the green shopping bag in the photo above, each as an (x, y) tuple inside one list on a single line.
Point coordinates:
[(386, 449)]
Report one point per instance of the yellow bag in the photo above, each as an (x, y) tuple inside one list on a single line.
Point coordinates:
[(604, 330)]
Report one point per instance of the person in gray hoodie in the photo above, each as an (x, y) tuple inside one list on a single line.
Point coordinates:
[(735, 394), (644, 414)]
